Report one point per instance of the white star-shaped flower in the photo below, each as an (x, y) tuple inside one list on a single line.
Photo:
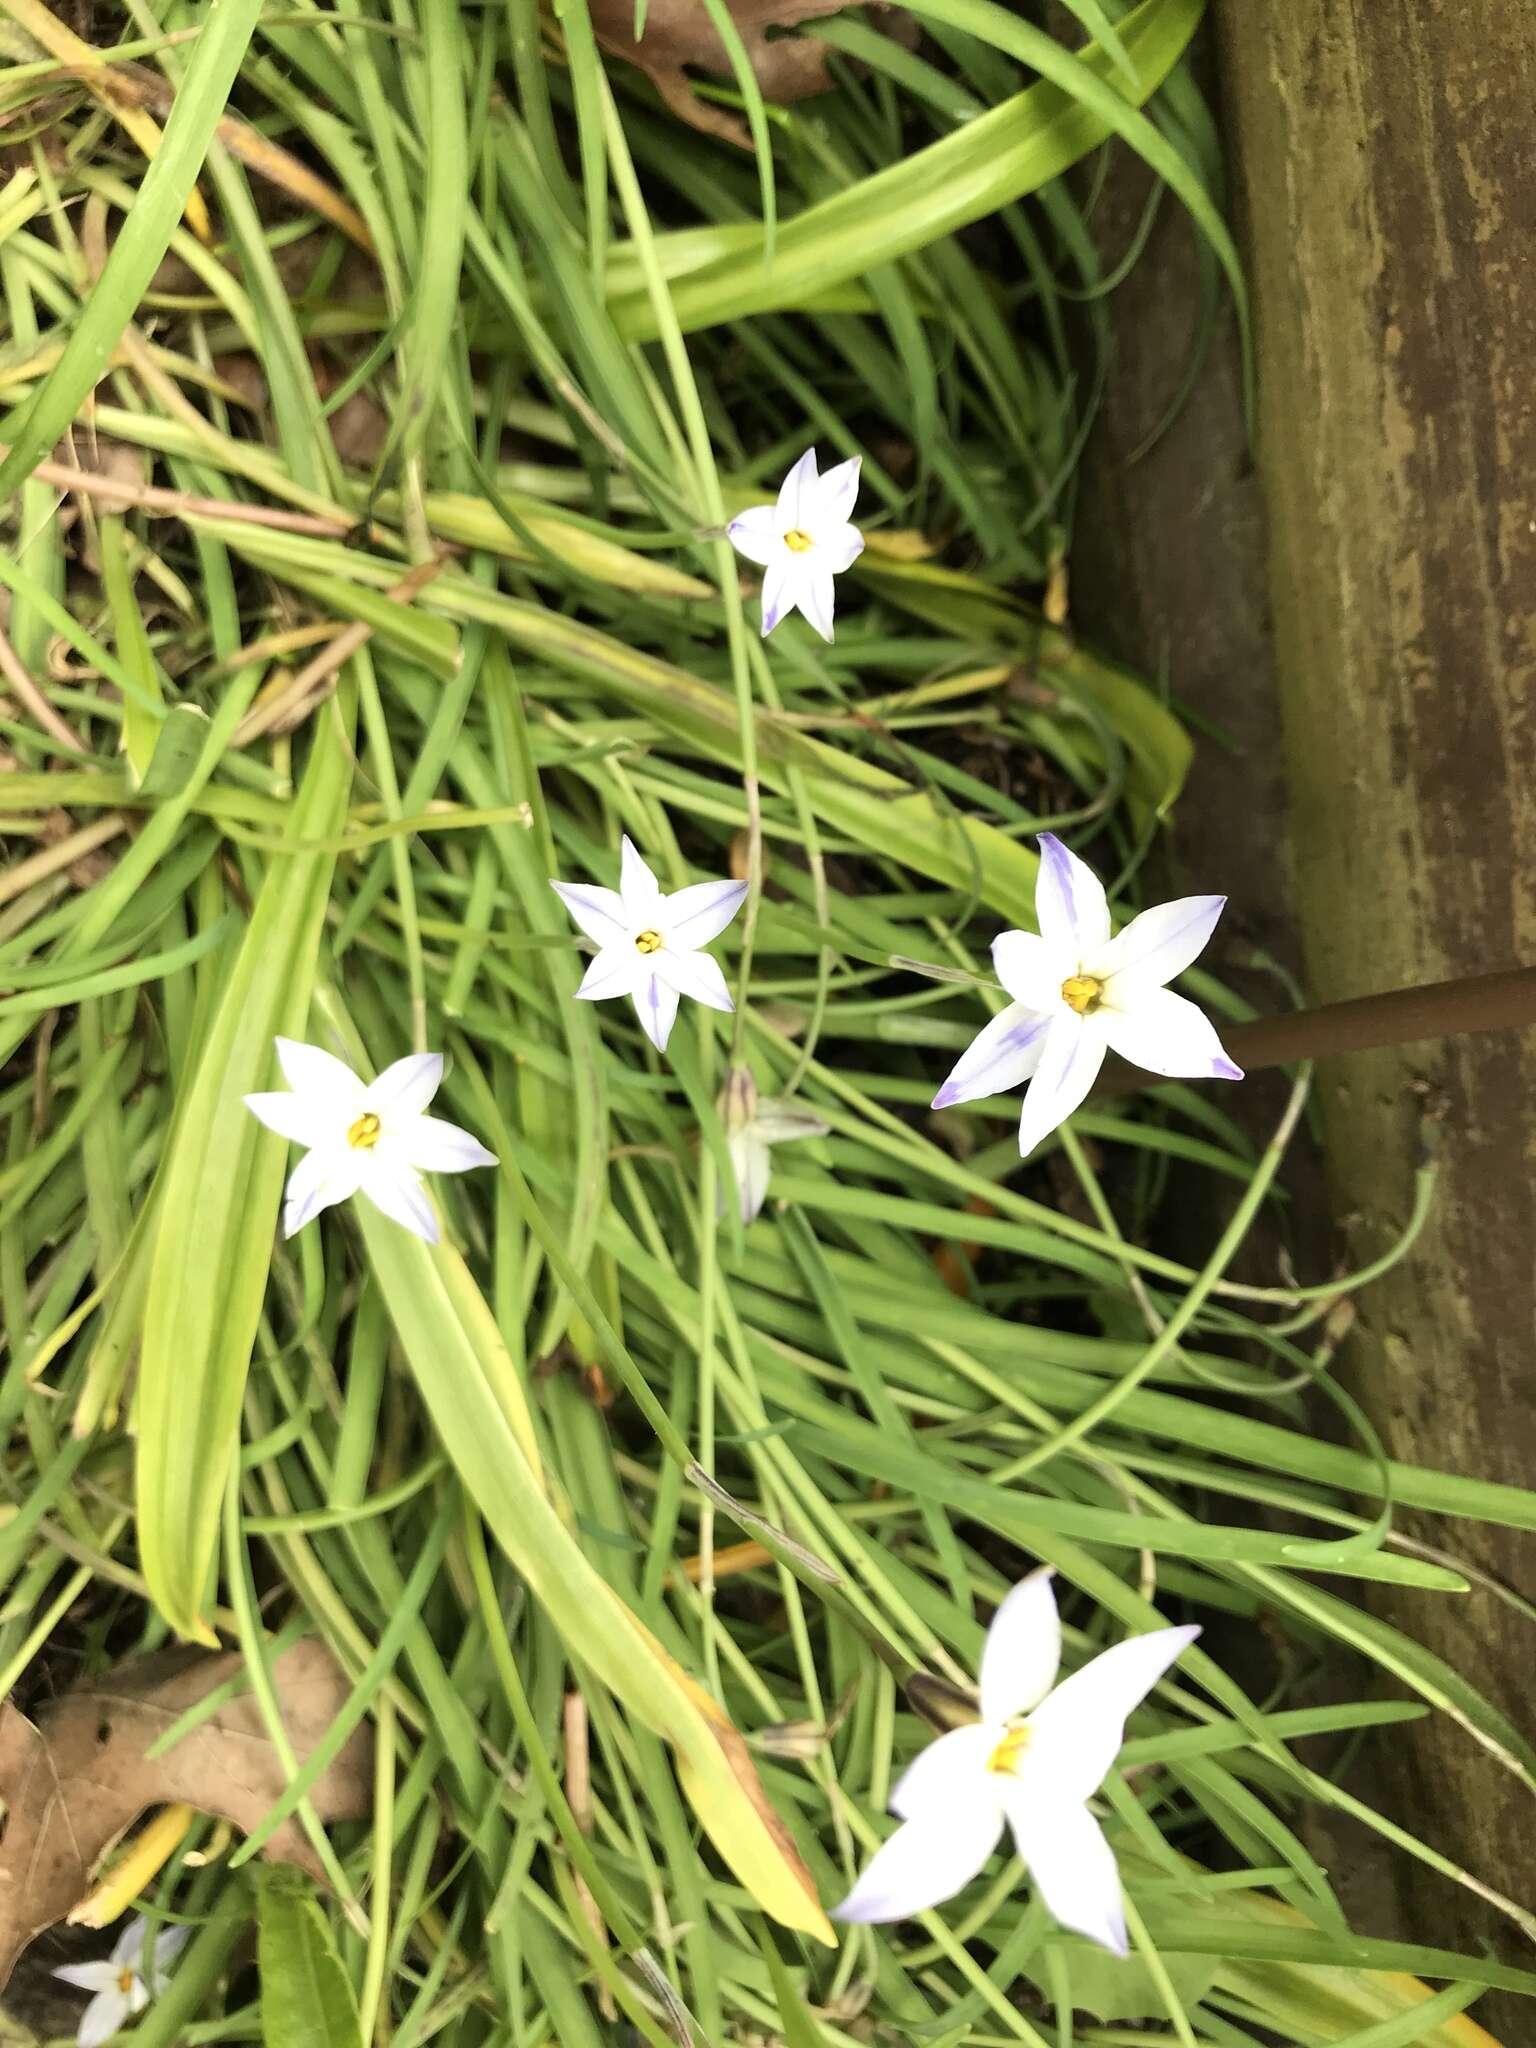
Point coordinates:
[(648, 943), (753, 1123), (803, 541), (120, 1984), (364, 1137), (1078, 993), (1032, 1761)]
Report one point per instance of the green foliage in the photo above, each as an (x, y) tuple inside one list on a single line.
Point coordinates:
[(606, 1479), (307, 2000)]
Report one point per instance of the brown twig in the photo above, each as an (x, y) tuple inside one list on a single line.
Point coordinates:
[(578, 1791), (287, 703), (14, 670), (183, 504)]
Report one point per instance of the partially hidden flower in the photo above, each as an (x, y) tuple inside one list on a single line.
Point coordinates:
[(753, 1124), (1078, 993), (125, 1984), (648, 943), (364, 1137), (803, 541), (1039, 1751)]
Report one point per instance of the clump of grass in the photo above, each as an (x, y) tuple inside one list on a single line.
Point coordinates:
[(299, 739)]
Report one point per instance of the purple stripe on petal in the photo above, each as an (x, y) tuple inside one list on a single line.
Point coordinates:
[(1169, 1035), (1000, 1058), (1158, 944), (757, 535), (797, 494), (778, 594), (1070, 904), (693, 916), (656, 1007), (1069, 1066)]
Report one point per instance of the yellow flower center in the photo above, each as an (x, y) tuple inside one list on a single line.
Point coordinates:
[(648, 941), (1083, 993), (363, 1135), (1005, 1758), (125, 1983), (798, 541)]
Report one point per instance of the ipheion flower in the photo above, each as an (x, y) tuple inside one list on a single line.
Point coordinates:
[(1079, 993), (753, 1124), (123, 1985), (649, 943), (364, 1137), (1033, 1760), (803, 541)]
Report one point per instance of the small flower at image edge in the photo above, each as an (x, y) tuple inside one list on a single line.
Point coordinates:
[(369, 1138), (753, 1124), (803, 541), (123, 1985), (1039, 1751), (649, 944), (1078, 994)]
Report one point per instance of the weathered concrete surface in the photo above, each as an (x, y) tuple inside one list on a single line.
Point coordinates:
[(1385, 164)]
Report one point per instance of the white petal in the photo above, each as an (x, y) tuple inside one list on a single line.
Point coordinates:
[(87, 1976), (656, 1007), (1158, 944), (1070, 904), (169, 1944), (1167, 1034), (835, 494), (757, 535), (299, 1117), (779, 1123), (320, 1074), (406, 1086), (752, 1164), (815, 596), (1023, 1649), (1069, 1066), (924, 1863), (694, 974), (138, 1996), (1078, 1731), (433, 1146), (839, 549), (1032, 969), (599, 912), (999, 1058), (637, 885), (129, 1946), (951, 1773), (102, 2018), (397, 1190), (1072, 1865), (328, 1175), (701, 912), (798, 496), (781, 590), (616, 971)]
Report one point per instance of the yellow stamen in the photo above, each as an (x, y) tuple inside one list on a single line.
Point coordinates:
[(364, 1134), (1083, 993), (648, 941), (125, 1982), (1005, 1758), (798, 541)]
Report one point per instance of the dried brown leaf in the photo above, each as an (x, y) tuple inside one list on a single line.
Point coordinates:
[(75, 1779), (679, 33)]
